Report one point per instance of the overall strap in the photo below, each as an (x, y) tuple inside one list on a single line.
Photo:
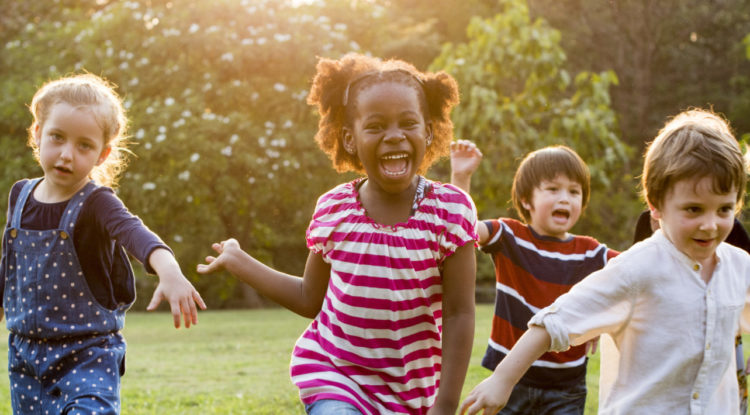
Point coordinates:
[(70, 215), (15, 219)]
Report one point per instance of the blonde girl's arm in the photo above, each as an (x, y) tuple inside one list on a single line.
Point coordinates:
[(174, 288), (459, 273), (303, 296), (492, 394)]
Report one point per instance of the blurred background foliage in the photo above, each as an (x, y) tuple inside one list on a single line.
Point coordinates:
[(223, 139)]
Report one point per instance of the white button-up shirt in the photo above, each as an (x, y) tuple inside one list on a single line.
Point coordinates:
[(673, 350)]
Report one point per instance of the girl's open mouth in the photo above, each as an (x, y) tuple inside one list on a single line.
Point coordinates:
[(395, 164)]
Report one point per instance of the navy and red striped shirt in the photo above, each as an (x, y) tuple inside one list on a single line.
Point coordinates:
[(531, 271)]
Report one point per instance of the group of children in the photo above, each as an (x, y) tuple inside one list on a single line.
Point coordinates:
[(389, 280)]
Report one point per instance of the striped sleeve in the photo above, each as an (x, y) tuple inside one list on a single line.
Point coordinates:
[(456, 210)]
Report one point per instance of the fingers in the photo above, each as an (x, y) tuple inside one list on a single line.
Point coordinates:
[(155, 301), (208, 267), (465, 146), (174, 306), (199, 300)]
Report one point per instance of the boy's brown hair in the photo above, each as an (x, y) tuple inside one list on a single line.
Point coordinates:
[(546, 164), (696, 143), (338, 82)]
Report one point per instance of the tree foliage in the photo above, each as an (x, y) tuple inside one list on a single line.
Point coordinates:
[(222, 138), (517, 97)]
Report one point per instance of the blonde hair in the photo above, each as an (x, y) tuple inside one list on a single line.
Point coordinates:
[(338, 82), (696, 143), (97, 94), (546, 164)]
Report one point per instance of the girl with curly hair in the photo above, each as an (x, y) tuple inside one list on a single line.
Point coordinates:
[(389, 281)]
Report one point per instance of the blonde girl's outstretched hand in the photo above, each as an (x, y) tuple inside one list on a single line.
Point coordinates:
[(487, 398), (175, 289)]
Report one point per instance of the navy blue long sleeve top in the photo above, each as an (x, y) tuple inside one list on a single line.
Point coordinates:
[(103, 219)]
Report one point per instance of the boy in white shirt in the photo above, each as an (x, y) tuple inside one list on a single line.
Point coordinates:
[(672, 303)]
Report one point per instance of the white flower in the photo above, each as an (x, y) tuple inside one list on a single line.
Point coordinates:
[(262, 41), (227, 151), (187, 114), (233, 139), (189, 199), (149, 186), (281, 37), (279, 87), (160, 138), (194, 28), (194, 157), (149, 110), (227, 57), (169, 101), (162, 129), (251, 180), (177, 238), (185, 175), (140, 134), (288, 124)]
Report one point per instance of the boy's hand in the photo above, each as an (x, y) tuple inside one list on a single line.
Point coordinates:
[(490, 395), (175, 289), (591, 346), (225, 250), (465, 157)]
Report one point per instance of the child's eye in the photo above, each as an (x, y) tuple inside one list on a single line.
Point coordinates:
[(727, 210), (373, 127), (693, 209), (55, 137)]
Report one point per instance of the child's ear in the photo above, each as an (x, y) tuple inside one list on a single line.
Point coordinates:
[(428, 136), (526, 205), (103, 155), (654, 211), (37, 135), (347, 138)]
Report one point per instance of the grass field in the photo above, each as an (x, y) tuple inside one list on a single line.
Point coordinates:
[(232, 362)]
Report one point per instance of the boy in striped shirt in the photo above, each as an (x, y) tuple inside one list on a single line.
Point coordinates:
[(535, 262)]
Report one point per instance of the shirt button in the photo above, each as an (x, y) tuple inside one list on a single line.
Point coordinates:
[(696, 267), (696, 395)]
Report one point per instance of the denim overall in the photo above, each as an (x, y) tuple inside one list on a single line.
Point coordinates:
[(65, 352)]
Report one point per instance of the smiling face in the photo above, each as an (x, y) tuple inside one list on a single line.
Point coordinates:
[(555, 206), (389, 135), (70, 144), (695, 218)]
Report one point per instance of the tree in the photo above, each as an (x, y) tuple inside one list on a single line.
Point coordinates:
[(668, 55), (517, 96)]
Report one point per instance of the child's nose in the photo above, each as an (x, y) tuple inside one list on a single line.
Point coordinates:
[(66, 153), (709, 223), (394, 135)]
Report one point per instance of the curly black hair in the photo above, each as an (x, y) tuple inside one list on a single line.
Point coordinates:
[(351, 74)]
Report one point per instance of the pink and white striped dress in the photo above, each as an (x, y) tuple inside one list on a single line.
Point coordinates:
[(376, 342)]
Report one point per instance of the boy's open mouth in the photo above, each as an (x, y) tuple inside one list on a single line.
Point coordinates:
[(395, 164), (560, 214), (62, 169)]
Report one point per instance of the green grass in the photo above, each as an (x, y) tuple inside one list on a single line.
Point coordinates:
[(232, 362)]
